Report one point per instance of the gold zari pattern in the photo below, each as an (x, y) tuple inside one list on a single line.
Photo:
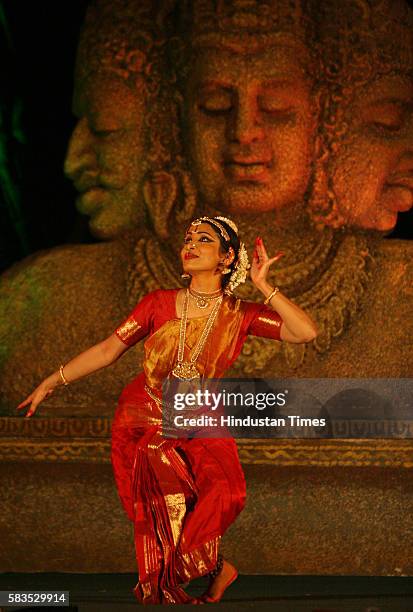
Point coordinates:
[(198, 561), (128, 329), (176, 507)]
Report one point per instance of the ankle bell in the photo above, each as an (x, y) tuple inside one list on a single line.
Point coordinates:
[(217, 570)]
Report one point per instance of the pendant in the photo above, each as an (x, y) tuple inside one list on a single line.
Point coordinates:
[(201, 303), (185, 371)]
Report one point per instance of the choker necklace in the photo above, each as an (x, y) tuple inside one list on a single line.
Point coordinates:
[(187, 370), (202, 299)]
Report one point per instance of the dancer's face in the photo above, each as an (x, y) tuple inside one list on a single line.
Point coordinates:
[(372, 171), (105, 153), (202, 250)]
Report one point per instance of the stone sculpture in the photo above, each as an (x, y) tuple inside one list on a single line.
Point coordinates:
[(274, 130)]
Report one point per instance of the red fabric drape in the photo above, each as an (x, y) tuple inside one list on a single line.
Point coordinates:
[(181, 494)]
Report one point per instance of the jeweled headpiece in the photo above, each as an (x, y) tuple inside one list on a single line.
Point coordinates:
[(229, 222), (221, 228)]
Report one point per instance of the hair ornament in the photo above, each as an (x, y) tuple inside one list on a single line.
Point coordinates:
[(239, 274), (217, 224), (229, 222)]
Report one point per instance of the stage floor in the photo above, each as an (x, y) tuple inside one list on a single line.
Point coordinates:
[(113, 592)]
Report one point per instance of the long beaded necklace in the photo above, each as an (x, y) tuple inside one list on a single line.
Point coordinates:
[(187, 370)]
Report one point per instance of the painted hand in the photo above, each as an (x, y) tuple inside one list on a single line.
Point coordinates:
[(34, 399), (261, 263)]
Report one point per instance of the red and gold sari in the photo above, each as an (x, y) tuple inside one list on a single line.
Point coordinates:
[(181, 494)]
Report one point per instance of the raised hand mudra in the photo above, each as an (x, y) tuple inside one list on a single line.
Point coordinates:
[(261, 262)]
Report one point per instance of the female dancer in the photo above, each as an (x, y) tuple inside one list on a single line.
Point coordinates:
[(182, 494)]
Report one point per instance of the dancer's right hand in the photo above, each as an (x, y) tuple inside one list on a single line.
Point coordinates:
[(38, 395)]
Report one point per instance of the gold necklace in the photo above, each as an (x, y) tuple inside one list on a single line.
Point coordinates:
[(202, 299), (187, 370)]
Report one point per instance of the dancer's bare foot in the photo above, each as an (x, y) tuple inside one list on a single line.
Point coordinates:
[(220, 583)]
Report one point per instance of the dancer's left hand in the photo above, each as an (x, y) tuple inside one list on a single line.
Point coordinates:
[(261, 263)]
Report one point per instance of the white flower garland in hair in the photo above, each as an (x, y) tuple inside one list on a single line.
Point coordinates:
[(239, 275)]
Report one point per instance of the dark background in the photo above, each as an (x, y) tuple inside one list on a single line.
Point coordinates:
[(39, 75), (37, 49)]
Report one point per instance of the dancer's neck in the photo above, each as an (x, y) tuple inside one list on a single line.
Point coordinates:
[(205, 282)]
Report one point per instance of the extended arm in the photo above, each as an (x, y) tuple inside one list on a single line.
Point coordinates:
[(93, 359), (135, 327)]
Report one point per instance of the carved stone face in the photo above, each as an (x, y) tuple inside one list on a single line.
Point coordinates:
[(105, 155), (249, 123), (366, 53), (372, 169)]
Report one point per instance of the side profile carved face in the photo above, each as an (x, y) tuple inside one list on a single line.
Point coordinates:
[(371, 171), (364, 174), (105, 155), (250, 124)]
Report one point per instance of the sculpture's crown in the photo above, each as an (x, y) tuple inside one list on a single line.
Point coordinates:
[(118, 36), (251, 15), (255, 22), (360, 38)]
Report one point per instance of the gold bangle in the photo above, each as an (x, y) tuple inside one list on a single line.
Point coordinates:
[(275, 290), (62, 375)]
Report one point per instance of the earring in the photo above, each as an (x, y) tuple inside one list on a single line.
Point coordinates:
[(185, 275), (226, 270)]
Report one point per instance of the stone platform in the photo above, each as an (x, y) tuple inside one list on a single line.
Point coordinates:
[(314, 507)]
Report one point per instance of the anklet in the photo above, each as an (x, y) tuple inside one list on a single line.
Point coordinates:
[(220, 562)]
